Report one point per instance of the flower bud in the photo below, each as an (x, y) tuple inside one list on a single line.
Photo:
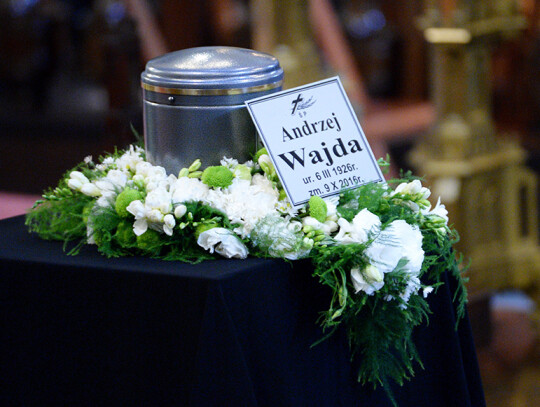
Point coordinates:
[(74, 184), (373, 274), (266, 164), (195, 174), (195, 166), (79, 176), (90, 189), (184, 172), (169, 220), (180, 211)]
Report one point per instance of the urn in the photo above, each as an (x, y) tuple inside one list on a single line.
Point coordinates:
[(193, 104)]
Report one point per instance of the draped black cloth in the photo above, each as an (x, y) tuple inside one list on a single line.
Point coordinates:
[(86, 330)]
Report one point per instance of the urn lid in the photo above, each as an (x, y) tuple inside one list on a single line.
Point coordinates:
[(212, 71)]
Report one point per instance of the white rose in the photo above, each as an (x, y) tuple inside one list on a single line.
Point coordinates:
[(224, 242)]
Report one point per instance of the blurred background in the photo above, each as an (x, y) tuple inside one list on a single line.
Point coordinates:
[(464, 111)]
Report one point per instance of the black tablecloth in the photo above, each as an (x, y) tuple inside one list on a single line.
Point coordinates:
[(87, 330)]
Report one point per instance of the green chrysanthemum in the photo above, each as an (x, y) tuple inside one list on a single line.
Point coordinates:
[(149, 241), (124, 234), (317, 208), (124, 198), (217, 177)]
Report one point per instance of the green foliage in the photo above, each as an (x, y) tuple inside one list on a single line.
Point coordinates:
[(379, 331), (369, 196), (59, 219), (217, 176)]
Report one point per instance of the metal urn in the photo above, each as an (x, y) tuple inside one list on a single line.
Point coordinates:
[(194, 104)]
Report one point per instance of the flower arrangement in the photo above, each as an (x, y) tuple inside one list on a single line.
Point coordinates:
[(380, 249)]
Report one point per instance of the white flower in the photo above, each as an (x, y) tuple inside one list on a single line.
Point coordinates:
[(398, 241), (369, 280), (263, 185), (224, 242), (436, 219), (154, 176), (327, 227), (79, 182), (106, 201), (129, 160), (245, 203), (106, 163), (414, 195), (159, 199), (332, 203), (111, 184), (78, 176), (413, 188), (230, 163), (180, 211), (285, 208), (362, 227), (413, 285), (168, 224), (90, 189), (186, 189), (153, 212), (427, 290), (74, 184), (280, 237), (440, 211)]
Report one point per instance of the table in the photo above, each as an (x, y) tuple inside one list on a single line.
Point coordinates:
[(87, 330)]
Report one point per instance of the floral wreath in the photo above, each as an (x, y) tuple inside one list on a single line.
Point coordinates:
[(374, 245)]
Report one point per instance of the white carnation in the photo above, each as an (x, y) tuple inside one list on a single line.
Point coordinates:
[(245, 203), (186, 189)]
